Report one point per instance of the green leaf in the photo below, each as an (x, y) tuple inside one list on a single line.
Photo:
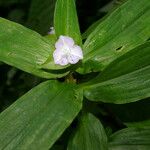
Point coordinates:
[(126, 28), (37, 119), (125, 80), (111, 5), (90, 135), (131, 139), (25, 49), (66, 21), (41, 15), (91, 29)]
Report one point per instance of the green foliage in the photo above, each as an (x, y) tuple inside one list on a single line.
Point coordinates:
[(131, 138), (38, 118), (91, 29), (126, 28), (115, 69), (66, 21), (24, 49), (126, 79), (91, 133)]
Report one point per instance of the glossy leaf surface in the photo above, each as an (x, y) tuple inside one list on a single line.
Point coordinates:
[(126, 28), (90, 135), (127, 79), (25, 49), (66, 20), (37, 119)]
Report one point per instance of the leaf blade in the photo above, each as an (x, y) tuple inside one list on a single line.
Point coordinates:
[(130, 138), (91, 133), (124, 80), (126, 28), (66, 21), (38, 118)]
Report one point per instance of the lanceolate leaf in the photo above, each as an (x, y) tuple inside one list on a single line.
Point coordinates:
[(128, 112), (49, 63), (37, 119), (24, 49), (131, 139), (127, 79), (127, 27), (66, 21), (89, 136), (9, 2)]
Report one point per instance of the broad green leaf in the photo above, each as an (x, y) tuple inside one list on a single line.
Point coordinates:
[(90, 135), (108, 9), (25, 49), (127, 79), (131, 139), (126, 28), (9, 2), (37, 119), (41, 15), (66, 21)]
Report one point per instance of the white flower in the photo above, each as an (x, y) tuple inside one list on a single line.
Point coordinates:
[(66, 51)]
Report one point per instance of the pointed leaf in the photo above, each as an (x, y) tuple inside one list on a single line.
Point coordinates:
[(127, 79), (37, 119), (89, 136), (66, 21), (126, 28)]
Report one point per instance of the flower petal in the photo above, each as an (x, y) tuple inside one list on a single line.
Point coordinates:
[(63, 61), (77, 51), (67, 41), (57, 55), (72, 59), (66, 51)]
